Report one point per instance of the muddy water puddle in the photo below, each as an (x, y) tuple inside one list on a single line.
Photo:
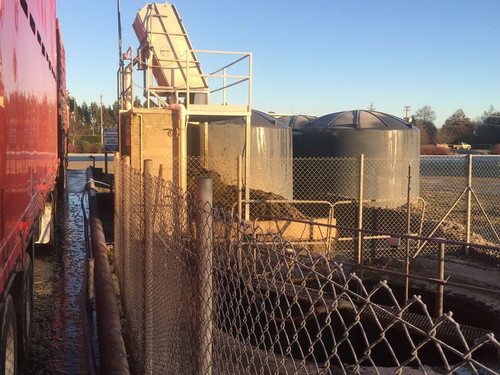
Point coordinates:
[(59, 345)]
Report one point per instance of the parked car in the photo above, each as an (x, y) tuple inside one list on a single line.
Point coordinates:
[(461, 146)]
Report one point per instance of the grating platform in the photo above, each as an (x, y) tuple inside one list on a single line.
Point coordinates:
[(385, 315), (446, 330)]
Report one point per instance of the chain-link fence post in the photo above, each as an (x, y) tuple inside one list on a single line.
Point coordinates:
[(440, 276), (239, 185), (248, 135), (148, 266), (126, 176), (117, 213), (359, 253), (204, 221), (408, 230), (469, 202), (117, 202), (240, 203)]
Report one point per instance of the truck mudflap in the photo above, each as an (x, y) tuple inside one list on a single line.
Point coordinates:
[(46, 226)]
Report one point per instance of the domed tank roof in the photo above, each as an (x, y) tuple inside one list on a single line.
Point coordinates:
[(297, 121), (258, 119), (359, 119)]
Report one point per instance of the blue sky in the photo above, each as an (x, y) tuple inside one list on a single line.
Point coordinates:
[(316, 57)]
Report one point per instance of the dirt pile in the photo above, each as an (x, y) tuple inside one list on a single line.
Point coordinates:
[(226, 196)]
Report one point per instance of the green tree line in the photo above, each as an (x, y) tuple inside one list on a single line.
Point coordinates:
[(86, 120)]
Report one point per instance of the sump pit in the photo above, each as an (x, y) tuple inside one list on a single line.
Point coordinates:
[(340, 336)]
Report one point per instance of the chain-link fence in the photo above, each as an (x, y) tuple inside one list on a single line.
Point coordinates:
[(464, 191), (450, 197), (206, 293)]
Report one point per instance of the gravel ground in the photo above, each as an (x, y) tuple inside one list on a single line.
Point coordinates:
[(47, 269)]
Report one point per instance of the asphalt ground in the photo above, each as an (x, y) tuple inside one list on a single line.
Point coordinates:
[(83, 161)]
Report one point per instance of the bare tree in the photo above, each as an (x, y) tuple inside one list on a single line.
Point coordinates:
[(426, 114), (424, 119)]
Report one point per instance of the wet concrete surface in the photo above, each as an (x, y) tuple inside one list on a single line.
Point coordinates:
[(59, 344)]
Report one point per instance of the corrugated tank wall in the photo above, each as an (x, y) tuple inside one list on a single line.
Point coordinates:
[(218, 145), (389, 144)]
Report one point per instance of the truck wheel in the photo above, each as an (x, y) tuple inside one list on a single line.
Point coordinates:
[(24, 309), (8, 339)]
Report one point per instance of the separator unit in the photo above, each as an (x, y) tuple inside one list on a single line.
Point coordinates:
[(166, 50), (177, 91)]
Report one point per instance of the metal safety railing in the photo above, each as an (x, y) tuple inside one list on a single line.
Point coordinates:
[(171, 66), (220, 80), (360, 254), (204, 292), (226, 78)]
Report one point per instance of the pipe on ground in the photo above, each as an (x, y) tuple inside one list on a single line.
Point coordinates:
[(113, 356)]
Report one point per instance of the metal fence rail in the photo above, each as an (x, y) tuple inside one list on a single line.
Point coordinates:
[(451, 197), (468, 187), (206, 293)]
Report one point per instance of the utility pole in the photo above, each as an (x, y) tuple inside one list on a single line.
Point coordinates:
[(120, 59), (407, 112), (102, 130)]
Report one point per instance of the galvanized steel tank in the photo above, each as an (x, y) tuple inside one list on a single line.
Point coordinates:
[(389, 144), (219, 143), (296, 121)]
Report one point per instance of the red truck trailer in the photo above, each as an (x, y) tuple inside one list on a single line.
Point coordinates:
[(33, 127)]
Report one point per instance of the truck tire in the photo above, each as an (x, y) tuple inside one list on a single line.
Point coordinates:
[(8, 338), (24, 309)]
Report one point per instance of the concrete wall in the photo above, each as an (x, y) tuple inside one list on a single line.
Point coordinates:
[(159, 130)]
